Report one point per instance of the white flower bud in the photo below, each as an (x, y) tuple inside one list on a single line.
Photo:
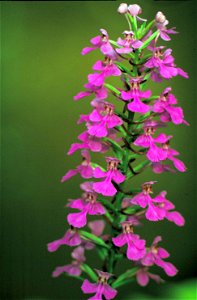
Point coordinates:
[(134, 9), (160, 17), (123, 8)]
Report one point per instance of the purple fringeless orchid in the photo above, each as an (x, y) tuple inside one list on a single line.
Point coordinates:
[(126, 125)]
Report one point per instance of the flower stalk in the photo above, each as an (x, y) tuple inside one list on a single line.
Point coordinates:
[(131, 135)]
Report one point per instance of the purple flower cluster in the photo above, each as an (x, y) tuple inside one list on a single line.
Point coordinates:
[(136, 131)]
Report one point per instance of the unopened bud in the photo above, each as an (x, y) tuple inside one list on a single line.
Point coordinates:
[(123, 8), (134, 9), (160, 17)]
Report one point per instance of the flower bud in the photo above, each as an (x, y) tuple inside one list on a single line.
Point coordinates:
[(134, 9), (123, 8), (160, 17)]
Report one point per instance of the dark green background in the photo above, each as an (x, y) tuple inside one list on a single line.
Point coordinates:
[(42, 70)]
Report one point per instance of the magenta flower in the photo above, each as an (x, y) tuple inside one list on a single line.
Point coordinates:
[(74, 268), (158, 208), (161, 23), (100, 92), (92, 143), (170, 154), (86, 205), (154, 154), (101, 288), (128, 43), (155, 255), (164, 106), (135, 246), (136, 95), (160, 167), (162, 65), (143, 277), (107, 68), (71, 238), (101, 42), (103, 118), (84, 169), (106, 187)]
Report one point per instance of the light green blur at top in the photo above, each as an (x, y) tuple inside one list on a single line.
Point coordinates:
[(42, 70)]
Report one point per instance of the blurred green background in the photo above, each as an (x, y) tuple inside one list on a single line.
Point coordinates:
[(42, 70)]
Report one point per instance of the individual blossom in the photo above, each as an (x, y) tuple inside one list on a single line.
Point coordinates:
[(165, 107), (101, 42), (146, 140), (100, 92), (156, 255), (107, 68), (93, 143), (84, 169), (73, 269), (123, 8), (128, 43), (134, 10), (157, 208), (87, 206), (143, 276), (170, 154), (101, 288), (162, 65), (102, 119), (161, 22), (135, 246), (136, 94), (106, 187), (71, 238)]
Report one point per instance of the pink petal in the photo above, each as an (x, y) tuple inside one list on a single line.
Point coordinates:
[(78, 204), (68, 175), (78, 254), (97, 227), (169, 268), (98, 173), (95, 116), (143, 141), (109, 292), (88, 287), (77, 219), (156, 154), (141, 200), (137, 106), (142, 277), (118, 177), (113, 121), (98, 66), (96, 41), (99, 130), (105, 188), (96, 209), (86, 50), (163, 253), (96, 79), (81, 95), (175, 217), (154, 213), (137, 44), (179, 165), (120, 240)]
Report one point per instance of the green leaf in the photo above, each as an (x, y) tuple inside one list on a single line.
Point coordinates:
[(142, 165), (107, 204), (132, 210), (94, 165), (123, 68), (123, 278), (121, 129), (129, 280), (102, 252), (147, 28), (147, 42), (116, 147), (89, 271), (93, 238), (112, 88)]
